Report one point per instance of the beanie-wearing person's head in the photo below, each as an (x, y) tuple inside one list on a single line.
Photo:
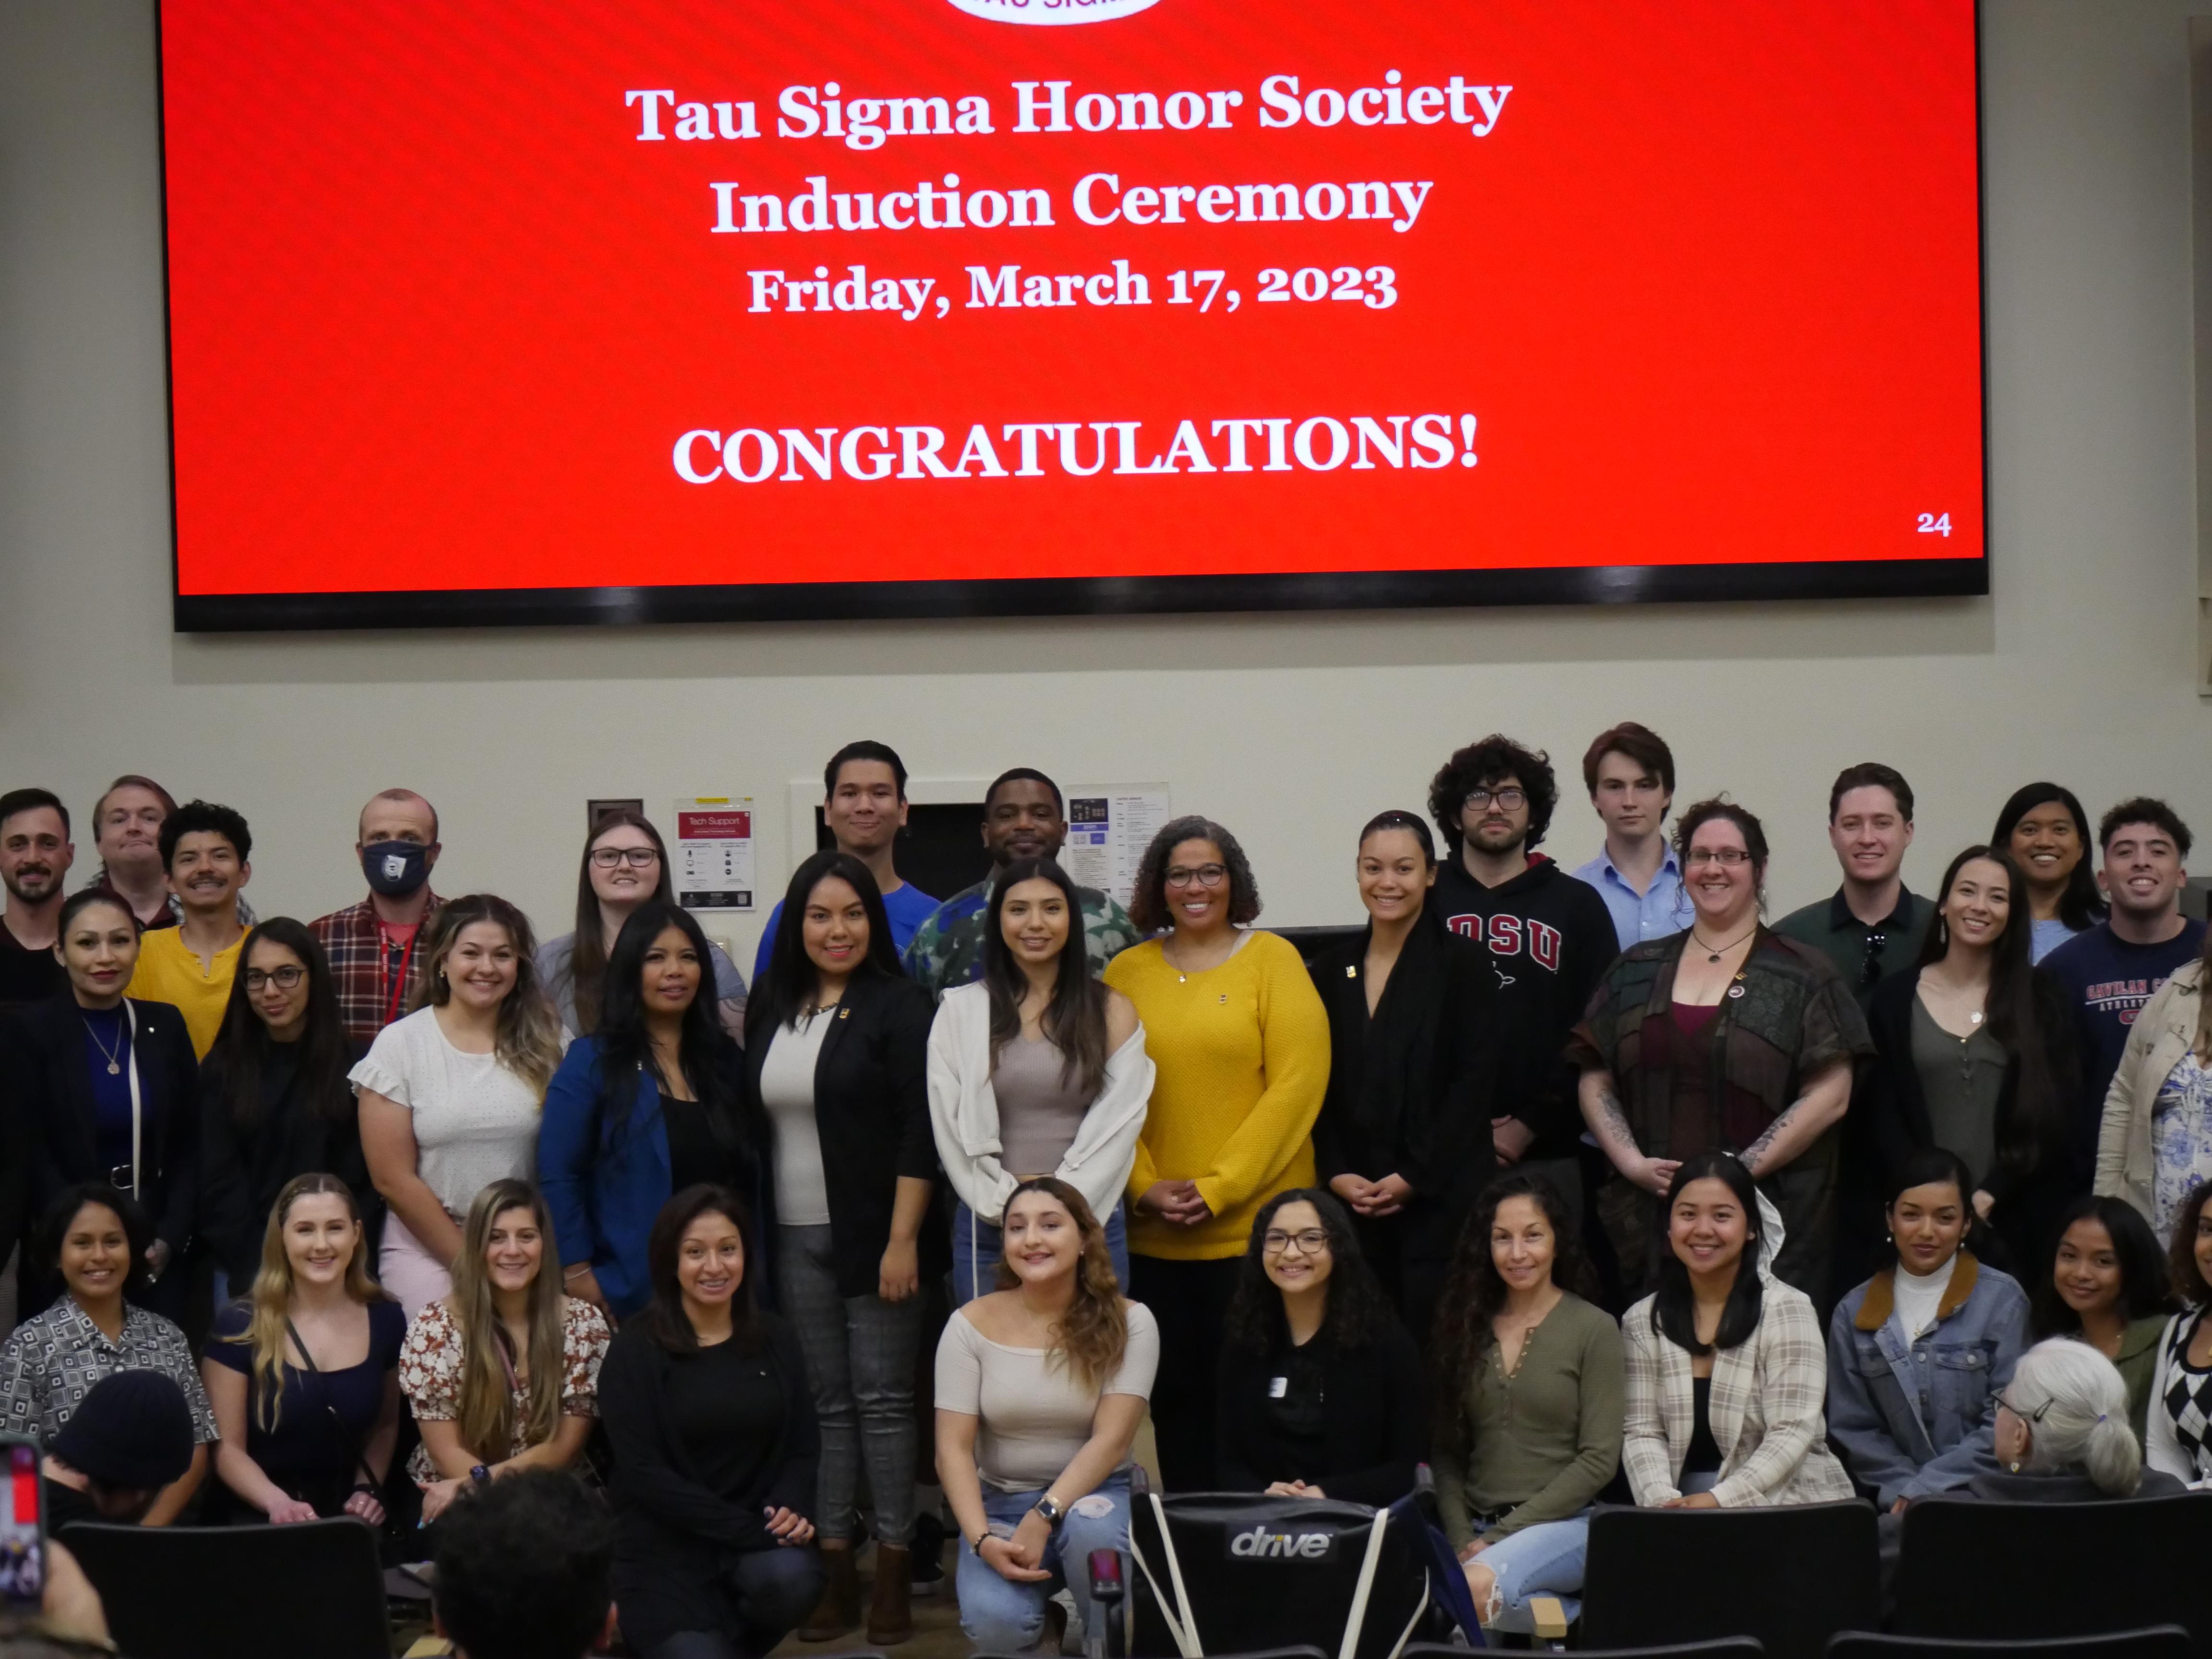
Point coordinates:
[(130, 1437), (525, 1569)]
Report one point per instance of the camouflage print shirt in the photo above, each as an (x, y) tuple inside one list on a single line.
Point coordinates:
[(947, 950)]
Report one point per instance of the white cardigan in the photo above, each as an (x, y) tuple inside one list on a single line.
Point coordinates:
[(963, 1111)]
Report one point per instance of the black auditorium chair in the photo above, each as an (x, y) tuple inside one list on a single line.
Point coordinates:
[(2018, 1573), (2159, 1642), (238, 1592), (1791, 1576)]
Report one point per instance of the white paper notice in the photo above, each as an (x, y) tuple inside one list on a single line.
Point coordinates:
[(714, 852), (1108, 827)]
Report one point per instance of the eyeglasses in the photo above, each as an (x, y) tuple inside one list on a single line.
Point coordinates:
[(2035, 1416), (1871, 964), (287, 978), (1312, 1242), (1206, 875), (1729, 856), (1511, 799), (607, 858)]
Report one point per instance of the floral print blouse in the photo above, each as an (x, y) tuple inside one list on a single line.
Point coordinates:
[(430, 1373)]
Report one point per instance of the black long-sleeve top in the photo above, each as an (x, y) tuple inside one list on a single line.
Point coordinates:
[(1353, 1421), (243, 1169), (706, 1444)]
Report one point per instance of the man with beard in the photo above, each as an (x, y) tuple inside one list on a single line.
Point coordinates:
[(35, 856), (206, 848), (1549, 937), (1024, 817)]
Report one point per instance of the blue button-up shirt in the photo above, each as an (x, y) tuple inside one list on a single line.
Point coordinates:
[(1663, 908)]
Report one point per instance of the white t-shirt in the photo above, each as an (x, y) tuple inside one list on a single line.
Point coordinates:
[(475, 1121), (1036, 1414), (787, 1087)]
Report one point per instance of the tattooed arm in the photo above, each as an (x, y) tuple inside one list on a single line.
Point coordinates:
[(1608, 1125), (1826, 1096)]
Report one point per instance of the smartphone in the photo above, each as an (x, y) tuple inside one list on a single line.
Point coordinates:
[(22, 1527)]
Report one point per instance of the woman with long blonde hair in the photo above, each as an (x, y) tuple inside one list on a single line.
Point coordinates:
[(303, 1372), (503, 1372), (1040, 1388), (451, 1095)]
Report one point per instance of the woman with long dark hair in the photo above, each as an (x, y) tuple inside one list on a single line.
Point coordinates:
[(1036, 1068), (1973, 1054), (275, 1102), (1935, 1315), (451, 1095), (1321, 1391), (1404, 1134), (652, 1103), (303, 1370), (706, 1400), (2179, 1437), (2107, 1287), (624, 866), (1040, 1388), (2044, 828), (1528, 1389), (836, 1056), (1726, 1371), (1240, 1042), (503, 1370)]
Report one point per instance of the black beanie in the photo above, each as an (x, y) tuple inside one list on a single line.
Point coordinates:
[(132, 1433)]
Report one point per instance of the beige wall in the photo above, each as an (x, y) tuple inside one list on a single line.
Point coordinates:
[(1290, 729)]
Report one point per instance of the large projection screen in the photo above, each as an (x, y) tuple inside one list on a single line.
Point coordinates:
[(499, 311)]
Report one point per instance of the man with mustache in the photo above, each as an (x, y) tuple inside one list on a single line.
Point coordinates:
[(206, 849), (35, 854)]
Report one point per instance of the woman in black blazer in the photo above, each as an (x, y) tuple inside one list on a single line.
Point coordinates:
[(706, 1402), (837, 1049), (99, 1087), (1973, 1053), (1321, 1391), (1404, 1136)]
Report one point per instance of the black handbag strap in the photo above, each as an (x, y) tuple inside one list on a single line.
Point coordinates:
[(345, 1432)]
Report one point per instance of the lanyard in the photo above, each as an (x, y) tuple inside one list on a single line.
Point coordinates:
[(398, 983), (137, 1107)]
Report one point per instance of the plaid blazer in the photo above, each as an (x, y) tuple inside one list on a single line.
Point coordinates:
[(1767, 1395), (350, 939)]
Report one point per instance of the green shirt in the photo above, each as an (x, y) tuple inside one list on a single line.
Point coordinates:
[(1541, 1444), (947, 950), (1830, 927)]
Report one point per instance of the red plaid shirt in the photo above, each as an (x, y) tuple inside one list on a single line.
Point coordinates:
[(355, 945)]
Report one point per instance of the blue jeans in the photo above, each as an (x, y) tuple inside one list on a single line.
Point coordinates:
[(977, 1247), (1001, 1616), (1545, 1560)]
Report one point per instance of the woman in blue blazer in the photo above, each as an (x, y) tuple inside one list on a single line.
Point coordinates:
[(653, 1103)]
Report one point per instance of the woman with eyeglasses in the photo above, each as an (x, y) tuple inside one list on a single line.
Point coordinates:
[(1973, 1054), (1726, 1037), (1240, 1041), (625, 864), (2047, 833), (1320, 1386), (102, 1087), (275, 1101), (2061, 1435)]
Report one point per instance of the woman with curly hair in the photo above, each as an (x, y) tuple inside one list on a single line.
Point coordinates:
[(1529, 1396), (1320, 1388), (1040, 1388), (1239, 1040)]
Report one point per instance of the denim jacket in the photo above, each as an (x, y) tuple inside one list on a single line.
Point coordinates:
[(1921, 1419)]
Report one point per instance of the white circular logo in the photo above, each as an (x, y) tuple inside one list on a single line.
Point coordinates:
[(1053, 11)]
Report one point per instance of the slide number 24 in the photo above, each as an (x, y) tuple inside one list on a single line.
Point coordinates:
[(1935, 524)]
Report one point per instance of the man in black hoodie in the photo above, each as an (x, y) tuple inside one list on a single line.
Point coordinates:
[(1549, 936)]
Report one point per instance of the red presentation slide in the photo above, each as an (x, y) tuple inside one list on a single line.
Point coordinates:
[(499, 310)]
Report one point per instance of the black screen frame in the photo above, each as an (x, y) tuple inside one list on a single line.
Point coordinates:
[(1158, 595)]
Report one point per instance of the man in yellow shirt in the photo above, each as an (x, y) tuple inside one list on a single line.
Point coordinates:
[(205, 848)]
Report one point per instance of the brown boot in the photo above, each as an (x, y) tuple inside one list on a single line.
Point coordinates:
[(841, 1597), (891, 1617)]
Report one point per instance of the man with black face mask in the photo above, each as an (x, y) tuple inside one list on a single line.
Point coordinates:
[(372, 945)]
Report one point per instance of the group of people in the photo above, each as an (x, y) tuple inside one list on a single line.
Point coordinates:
[(1565, 1183)]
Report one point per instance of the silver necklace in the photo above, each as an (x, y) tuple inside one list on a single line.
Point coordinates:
[(114, 1055), (1717, 949)]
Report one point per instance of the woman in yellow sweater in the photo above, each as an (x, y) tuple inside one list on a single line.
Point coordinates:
[(1240, 1041)]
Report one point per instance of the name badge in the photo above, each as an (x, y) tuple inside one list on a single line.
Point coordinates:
[(1278, 1386)]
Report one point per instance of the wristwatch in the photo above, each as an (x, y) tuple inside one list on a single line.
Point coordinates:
[(480, 1474), (1054, 1513)]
